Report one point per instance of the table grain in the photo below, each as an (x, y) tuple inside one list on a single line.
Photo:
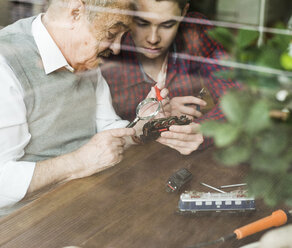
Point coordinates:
[(127, 206)]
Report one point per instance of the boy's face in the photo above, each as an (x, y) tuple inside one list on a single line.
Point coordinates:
[(155, 28)]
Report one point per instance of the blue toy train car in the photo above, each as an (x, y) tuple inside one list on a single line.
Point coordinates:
[(234, 201)]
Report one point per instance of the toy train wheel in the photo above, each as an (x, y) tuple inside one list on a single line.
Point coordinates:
[(172, 122), (164, 123), (157, 125)]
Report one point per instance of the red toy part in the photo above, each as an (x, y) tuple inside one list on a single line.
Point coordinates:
[(158, 96)]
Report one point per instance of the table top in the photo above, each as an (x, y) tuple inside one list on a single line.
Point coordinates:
[(127, 206)]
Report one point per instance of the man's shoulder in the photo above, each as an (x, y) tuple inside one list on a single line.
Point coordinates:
[(16, 34), (196, 15), (20, 27), (192, 37), (195, 21)]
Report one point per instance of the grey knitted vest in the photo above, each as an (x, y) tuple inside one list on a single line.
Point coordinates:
[(61, 106)]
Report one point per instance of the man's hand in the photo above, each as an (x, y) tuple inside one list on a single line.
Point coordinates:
[(104, 150), (186, 105), (184, 139)]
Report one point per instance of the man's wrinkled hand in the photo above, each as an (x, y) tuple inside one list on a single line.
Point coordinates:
[(104, 150)]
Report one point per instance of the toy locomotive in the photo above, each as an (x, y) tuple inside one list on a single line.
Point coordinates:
[(234, 201), (153, 129)]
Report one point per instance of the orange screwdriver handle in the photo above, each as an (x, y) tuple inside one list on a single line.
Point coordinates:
[(158, 96), (277, 218)]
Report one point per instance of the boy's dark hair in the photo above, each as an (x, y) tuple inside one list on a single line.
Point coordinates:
[(181, 3)]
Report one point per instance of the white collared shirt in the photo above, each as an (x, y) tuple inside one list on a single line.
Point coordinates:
[(15, 176)]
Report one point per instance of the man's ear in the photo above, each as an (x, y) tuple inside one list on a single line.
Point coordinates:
[(185, 9), (77, 9)]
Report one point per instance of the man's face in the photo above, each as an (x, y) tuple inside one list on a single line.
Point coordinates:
[(154, 33), (98, 39)]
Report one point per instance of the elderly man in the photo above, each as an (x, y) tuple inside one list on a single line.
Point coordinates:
[(50, 110), (53, 98)]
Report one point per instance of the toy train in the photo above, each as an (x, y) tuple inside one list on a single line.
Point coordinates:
[(153, 128), (234, 201)]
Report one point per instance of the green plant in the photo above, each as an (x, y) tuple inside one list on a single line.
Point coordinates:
[(258, 127)]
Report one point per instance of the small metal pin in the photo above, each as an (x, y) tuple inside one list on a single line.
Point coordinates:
[(202, 93), (221, 191), (232, 185)]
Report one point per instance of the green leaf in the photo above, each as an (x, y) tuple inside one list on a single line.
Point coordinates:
[(258, 183), (209, 128), (273, 142), (270, 58), (233, 108), (282, 187), (288, 155), (287, 189), (289, 106), (279, 41), (233, 155), (226, 74), (248, 55), (224, 133), (258, 118), (266, 186), (223, 36), (246, 38), (289, 202), (270, 164)]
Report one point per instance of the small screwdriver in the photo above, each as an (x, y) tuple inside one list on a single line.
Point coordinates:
[(201, 94), (278, 218), (159, 98)]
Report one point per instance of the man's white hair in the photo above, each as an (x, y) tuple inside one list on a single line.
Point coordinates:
[(93, 7), (102, 3)]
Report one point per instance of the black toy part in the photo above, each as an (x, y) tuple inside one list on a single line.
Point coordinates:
[(178, 180)]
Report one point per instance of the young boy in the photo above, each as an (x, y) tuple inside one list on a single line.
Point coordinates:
[(166, 46)]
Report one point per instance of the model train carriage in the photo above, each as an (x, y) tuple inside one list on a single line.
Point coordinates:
[(152, 129), (233, 201)]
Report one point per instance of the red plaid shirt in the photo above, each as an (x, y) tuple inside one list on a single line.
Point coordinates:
[(129, 84)]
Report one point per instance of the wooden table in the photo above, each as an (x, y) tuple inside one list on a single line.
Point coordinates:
[(127, 206)]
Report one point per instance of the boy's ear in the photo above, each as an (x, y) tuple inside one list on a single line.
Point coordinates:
[(185, 9)]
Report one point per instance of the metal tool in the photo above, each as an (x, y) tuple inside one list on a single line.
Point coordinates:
[(211, 187), (233, 185), (201, 94), (146, 110)]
